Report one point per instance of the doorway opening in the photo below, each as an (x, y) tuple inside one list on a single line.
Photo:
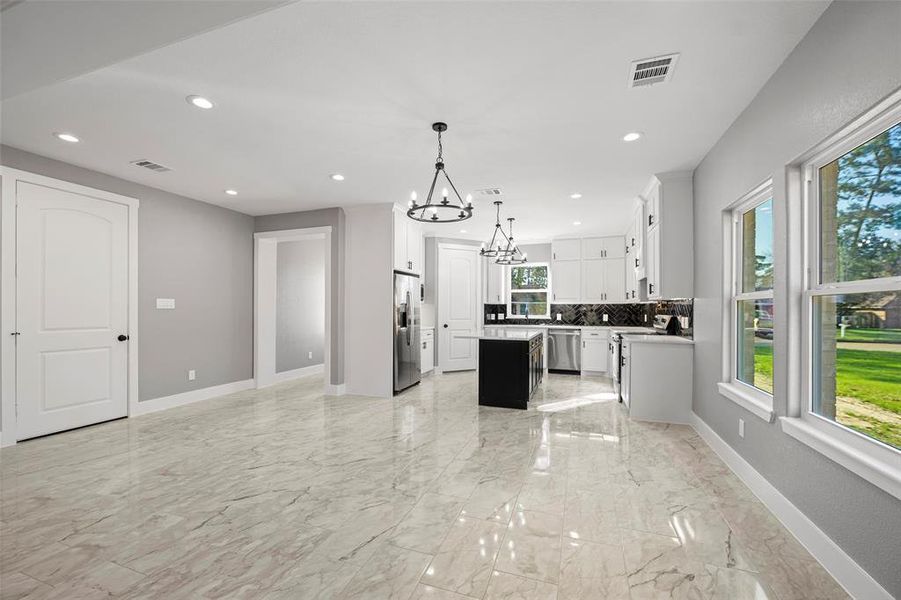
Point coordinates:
[(292, 305)]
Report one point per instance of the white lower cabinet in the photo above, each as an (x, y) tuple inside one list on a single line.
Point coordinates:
[(594, 350), (656, 380), (427, 352)]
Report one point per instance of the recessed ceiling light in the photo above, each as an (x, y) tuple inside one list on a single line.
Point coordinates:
[(199, 102), (577, 223), (575, 196), (337, 177), (462, 231), (231, 192), (632, 136), (67, 137)]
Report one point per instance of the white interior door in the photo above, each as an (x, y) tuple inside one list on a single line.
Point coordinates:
[(458, 308), (72, 304)]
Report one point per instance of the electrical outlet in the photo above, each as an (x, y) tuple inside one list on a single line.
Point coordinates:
[(605, 317), (500, 316), (309, 355), (559, 316), (492, 317), (741, 428), (192, 375)]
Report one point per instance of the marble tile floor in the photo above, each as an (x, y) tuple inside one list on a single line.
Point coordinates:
[(285, 493)]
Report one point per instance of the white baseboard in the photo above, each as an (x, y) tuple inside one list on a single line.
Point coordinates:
[(857, 582), (166, 402), (1, 441), (332, 389), (296, 373)]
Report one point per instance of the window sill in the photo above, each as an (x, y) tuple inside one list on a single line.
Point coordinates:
[(885, 475), (746, 400)]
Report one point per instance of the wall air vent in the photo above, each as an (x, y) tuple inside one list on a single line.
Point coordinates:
[(652, 70), (489, 192), (152, 166)]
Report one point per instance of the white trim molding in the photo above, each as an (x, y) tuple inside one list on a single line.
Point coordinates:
[(747, 400), (185, 398), (332, 389), (881, 473), (283, 376), (851, 576)]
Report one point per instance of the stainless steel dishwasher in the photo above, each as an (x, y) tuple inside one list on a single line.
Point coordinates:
[(564, 349)]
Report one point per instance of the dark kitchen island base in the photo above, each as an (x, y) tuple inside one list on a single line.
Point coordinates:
[(509, 371)]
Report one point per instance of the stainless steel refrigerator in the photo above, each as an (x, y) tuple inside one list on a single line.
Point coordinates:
[(406, 330)]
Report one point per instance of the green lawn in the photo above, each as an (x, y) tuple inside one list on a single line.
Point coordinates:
[(868, 377), (880, 336)]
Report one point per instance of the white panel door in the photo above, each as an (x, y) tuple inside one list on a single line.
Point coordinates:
[(72, 304), (458, 308)]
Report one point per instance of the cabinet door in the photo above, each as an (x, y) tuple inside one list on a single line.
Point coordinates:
[(654, 206), (566, 280), (570, 249), (615, 280), (495, 285), (614, 247), (427, 356), (414, 246), (400, 241), (592, 248), (593, 286), (652, 266), (594, 354)]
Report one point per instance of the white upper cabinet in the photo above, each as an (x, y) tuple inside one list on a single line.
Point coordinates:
[(615, 280), (602, 247), (593, 281), (495, 283), (566, 281), (668, 250), (569, 249), (408, 247)]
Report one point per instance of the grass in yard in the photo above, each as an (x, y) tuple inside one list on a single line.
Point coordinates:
[(868, 389), (878, 336)]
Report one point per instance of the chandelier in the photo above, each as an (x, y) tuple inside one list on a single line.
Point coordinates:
[(444, 210), (502, 247)]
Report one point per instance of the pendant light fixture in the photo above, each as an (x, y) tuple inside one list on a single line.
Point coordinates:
[(499, 244), (513, 255), (444, 210)]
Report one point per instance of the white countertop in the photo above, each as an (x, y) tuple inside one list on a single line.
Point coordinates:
[(507, 335), (542, 326), (657, 339)]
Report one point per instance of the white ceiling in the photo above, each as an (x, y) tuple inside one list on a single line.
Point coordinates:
[(535, 95)]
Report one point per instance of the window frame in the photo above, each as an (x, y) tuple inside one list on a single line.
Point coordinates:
[(510, 290), (753, 399), (875, 461)]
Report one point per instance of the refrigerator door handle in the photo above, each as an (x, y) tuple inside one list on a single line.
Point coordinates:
[(409, 325)]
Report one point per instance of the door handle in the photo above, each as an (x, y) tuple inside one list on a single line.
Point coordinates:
[(445, 325), (122, 337)]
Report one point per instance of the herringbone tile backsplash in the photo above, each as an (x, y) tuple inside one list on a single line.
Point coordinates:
[(638, 314)]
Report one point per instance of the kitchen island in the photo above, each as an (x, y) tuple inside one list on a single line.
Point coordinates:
[(510, 366)]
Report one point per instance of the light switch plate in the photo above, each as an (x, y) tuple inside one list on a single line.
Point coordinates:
[(559, 316), (165, 303), (192, 375), (741, 428), (500, 316), (605, 317), (310, 355)]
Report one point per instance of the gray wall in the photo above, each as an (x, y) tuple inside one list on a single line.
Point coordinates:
[(197, 253), (335, 218), (849, 60), (300, 304)]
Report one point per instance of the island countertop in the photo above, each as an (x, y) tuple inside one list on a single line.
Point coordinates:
[(509, 335)]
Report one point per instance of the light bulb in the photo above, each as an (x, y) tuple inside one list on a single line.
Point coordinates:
[(444, 192), (434, 210), (413, 196), (524, 255), (469, 199)]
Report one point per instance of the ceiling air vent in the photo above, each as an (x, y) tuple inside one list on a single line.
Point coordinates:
[(152, 166), (489, 192), (652, 70)]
